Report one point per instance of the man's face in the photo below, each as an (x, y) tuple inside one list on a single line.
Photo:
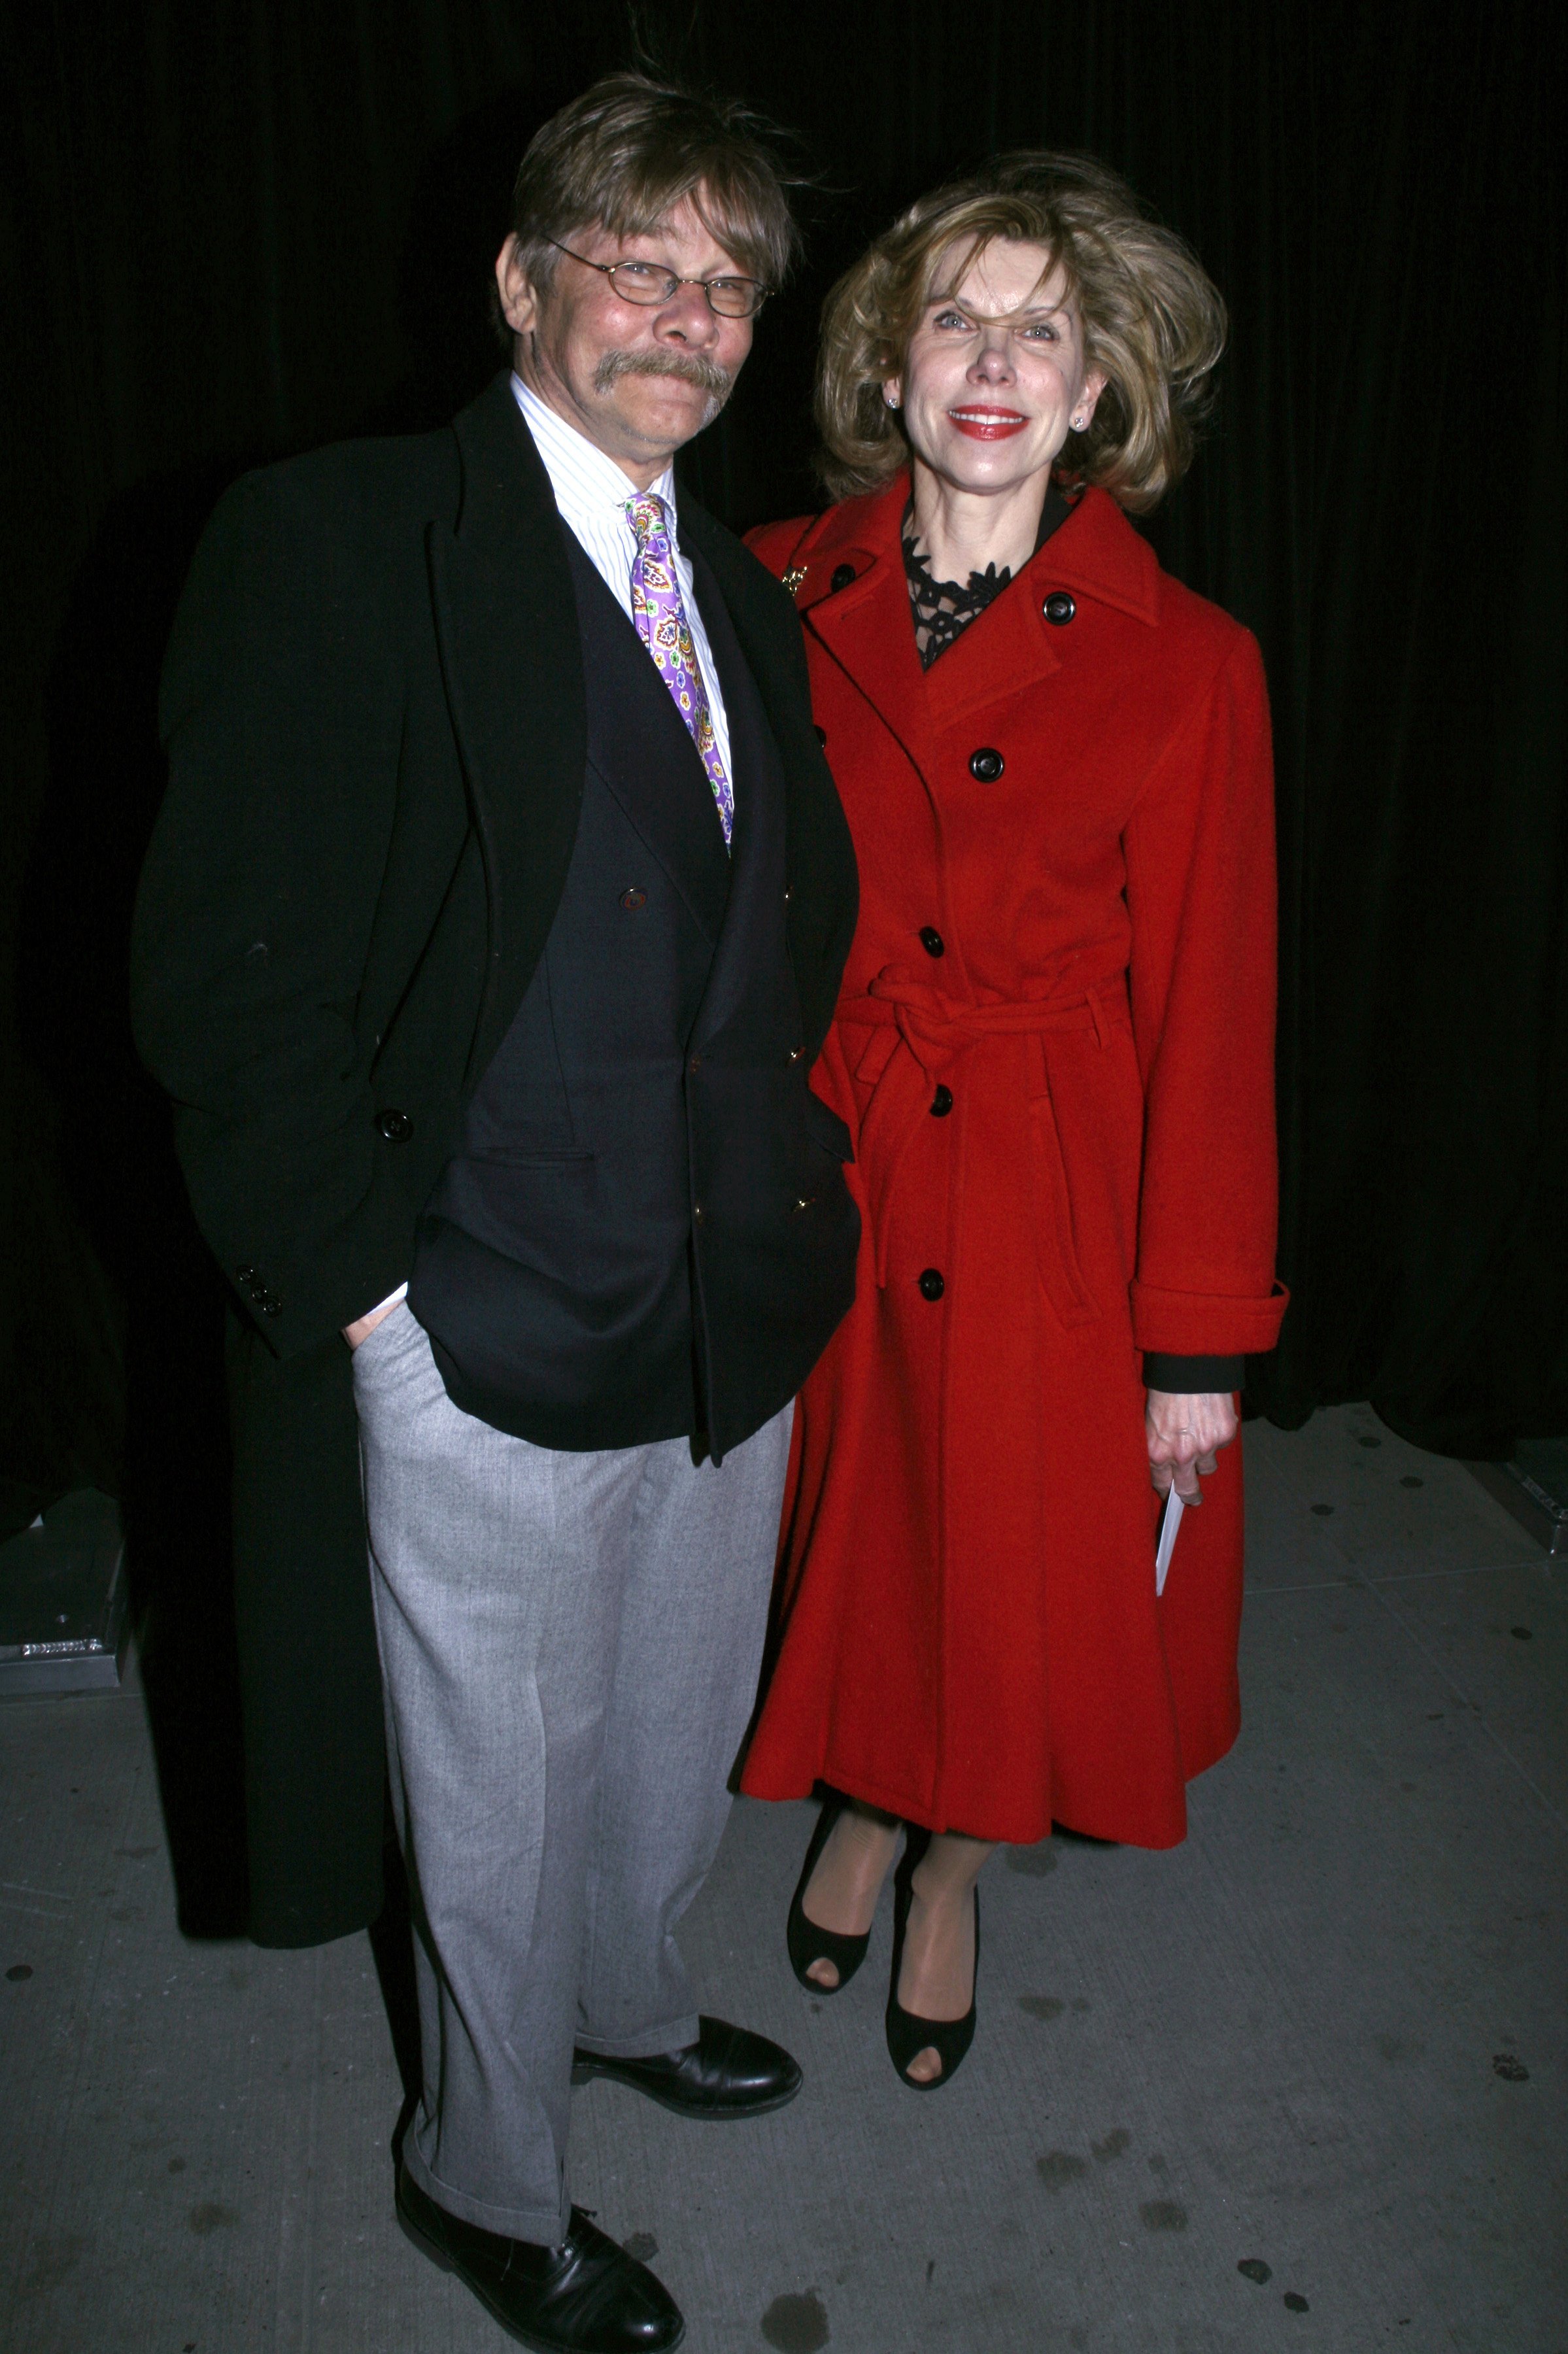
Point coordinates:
[(638, 380)]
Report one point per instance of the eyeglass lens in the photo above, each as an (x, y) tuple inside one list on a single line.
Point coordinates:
[(638, 281)]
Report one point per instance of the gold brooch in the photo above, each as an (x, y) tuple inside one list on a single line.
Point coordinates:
[(793, 577)]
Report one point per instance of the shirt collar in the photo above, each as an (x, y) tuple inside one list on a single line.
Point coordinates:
[(584, 479)]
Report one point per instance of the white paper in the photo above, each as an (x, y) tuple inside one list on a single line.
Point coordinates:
[(1174, 1508)]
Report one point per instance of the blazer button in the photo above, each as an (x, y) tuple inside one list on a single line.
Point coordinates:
[(796, 1053), (633, 899), (395, 1126), (1059, 608), (245, 1274), (823, 738), (986, 765), (844, 575), (931, 1284), (698, 1213), (931, 940), (941, 1102)]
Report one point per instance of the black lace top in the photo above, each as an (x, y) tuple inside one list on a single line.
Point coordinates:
[(942, 609)]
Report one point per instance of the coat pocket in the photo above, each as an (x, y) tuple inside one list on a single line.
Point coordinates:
[(1055, 1228)]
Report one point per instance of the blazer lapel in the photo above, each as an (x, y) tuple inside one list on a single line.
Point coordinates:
[(756, 846), (803, 868), (506, 628)]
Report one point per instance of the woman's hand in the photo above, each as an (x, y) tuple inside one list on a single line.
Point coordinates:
[(1185, 1433)]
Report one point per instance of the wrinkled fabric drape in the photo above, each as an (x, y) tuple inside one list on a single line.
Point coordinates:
[(239, 228)]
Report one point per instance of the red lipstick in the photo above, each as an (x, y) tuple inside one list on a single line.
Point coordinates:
[(983, 424)]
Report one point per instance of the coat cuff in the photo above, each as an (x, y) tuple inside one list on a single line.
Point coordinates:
[(1190, 1376), (1205, 1323), (298, 1301)]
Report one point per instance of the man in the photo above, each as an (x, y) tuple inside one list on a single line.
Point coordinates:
[(491, 924)]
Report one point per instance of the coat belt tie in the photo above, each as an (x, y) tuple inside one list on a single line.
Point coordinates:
[(918, 1034)]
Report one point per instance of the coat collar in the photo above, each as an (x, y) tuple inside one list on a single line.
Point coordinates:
[(849, 589), (507, 624), (864, 622)]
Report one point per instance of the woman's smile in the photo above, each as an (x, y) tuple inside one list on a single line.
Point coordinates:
[(983, 424)]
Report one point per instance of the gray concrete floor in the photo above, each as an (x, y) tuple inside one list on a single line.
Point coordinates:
[(1324, 2039)]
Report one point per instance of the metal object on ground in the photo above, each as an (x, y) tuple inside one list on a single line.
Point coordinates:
[(1533, 1486), (63, 1618)]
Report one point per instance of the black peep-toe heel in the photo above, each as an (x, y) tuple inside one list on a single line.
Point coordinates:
[(907, 2034), (807, 1941)]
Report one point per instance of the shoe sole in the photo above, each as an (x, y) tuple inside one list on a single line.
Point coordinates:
[(586, 2075), (422, 2241), (519, 2335)]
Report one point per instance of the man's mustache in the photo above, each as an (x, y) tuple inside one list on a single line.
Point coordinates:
[(690, 367)]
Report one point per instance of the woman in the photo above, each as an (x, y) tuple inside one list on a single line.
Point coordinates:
[(1054, 1049)]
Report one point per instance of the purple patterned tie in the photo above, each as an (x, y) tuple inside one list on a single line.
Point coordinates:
[(663, 626)]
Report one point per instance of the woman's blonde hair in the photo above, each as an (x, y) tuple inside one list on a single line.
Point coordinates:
[(1152, 319)]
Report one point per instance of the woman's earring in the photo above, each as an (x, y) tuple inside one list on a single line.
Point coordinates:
[(890, 396)]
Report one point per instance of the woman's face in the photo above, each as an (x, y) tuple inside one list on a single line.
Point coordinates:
[(995, 375)]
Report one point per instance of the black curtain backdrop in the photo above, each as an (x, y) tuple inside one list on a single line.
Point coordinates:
[(238, 228)]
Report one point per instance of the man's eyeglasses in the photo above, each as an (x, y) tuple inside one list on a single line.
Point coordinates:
[(644, 283)]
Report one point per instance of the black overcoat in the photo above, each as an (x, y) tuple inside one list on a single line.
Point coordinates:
[(374, 710)]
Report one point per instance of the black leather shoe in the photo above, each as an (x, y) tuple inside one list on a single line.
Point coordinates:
[(587, 2296), (727, 2073)]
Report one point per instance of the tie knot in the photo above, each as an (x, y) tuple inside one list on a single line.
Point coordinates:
[(649, 520)]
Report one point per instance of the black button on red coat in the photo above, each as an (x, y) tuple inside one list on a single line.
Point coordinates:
[(931, 1284), (941, 1102), (986, 765), (931, 940), (1059, 608), (844, 574)]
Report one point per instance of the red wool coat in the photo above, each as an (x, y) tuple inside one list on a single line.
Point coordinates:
[(1053, 1048)]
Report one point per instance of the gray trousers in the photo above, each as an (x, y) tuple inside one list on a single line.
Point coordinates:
[(570, 1647)]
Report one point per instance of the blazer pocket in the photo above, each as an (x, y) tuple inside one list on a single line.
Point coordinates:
[(531, 1156)]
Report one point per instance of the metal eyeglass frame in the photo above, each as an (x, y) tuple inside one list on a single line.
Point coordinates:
[(673, 279)]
